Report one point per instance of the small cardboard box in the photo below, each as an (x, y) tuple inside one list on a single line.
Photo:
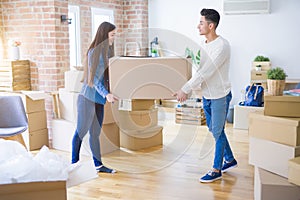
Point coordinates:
[(294, 171), (138, 120), (240, 116), (137, 140), (269, 186), (148, 78), (34, 191), (36, 139), (271, 156), (258, 75), (37, 121), (277, 129), (136, 104), (265, 66), (282, 106)]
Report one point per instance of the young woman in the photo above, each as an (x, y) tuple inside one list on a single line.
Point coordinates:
[(94, 93)]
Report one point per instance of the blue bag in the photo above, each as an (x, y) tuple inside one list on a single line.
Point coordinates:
[(254, 96)]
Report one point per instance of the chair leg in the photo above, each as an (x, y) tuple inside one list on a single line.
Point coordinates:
[(18, 138)]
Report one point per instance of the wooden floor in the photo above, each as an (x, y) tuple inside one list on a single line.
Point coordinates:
[(172, 170)]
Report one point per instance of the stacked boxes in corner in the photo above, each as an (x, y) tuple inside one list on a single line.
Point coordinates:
[(274, 146), (37, 134), (138, 122)]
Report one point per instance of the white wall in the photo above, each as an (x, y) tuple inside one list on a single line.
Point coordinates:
[(276, 35)]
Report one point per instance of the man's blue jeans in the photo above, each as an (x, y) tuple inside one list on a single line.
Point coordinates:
[(215, 112), (89, 119)]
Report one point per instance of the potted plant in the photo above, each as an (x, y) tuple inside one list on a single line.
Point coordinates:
[(263, 62), (276, 81)]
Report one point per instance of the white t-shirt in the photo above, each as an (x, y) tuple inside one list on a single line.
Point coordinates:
[(212, 77)]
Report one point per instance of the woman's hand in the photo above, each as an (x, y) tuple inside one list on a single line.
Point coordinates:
[(111, 98)]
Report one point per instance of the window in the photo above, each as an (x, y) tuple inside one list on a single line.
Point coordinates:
[(74, 36), (99, 16)]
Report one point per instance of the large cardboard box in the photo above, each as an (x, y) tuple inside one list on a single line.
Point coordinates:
[(241, 115), (137, 140), (277, 129), (269, 186), (34, 191), (148, 78), (37, 121), (63, 132), (136, 104), (36, 139), (138, 120), (294, 171), (282, 106), (271, 156)]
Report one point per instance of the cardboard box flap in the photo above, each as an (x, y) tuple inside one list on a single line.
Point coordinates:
[(35, 95), (290, 121), (285, 98)]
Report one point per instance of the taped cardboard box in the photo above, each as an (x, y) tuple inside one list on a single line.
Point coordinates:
[(37, 121), (148, 78), (138, 120), (282, 106), (294, 171), (34, 191), (137, 140), (269, 186), (277, 129)]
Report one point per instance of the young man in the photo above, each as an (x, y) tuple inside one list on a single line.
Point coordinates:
[(212, 78)]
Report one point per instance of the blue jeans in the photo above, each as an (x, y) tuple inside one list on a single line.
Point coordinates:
[(89, 119), (215, 112)]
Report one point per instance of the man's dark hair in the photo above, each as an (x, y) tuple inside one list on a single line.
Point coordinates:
[(211, 15)]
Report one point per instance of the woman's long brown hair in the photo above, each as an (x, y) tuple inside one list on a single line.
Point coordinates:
[(101, 46)]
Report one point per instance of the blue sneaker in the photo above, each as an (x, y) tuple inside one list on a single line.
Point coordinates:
[(210, 177), (229, 165)]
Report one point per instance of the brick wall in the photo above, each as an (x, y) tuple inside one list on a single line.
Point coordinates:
[(45, 40)]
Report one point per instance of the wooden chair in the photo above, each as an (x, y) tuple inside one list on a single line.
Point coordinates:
[(13, 119)]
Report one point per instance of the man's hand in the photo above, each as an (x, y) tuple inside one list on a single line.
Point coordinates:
[(180, 95), (111, 98)]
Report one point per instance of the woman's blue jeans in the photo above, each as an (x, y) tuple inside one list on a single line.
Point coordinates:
[(215, 112), (89, 119)]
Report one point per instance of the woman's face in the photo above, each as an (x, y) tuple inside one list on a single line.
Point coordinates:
[(111, 36)]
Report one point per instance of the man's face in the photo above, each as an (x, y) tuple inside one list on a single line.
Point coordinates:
[(204, 26)]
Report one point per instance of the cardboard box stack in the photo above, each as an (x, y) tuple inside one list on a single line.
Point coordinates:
[(274, 149), (36, 135), (63, 128), (138, 122), (260, 77)]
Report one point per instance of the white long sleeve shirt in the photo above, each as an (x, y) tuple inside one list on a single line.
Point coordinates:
[(212, 77)]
